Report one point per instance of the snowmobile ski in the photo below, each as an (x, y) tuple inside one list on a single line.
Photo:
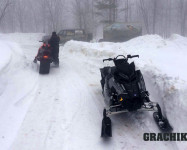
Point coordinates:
[(106, 130), (162, 123)]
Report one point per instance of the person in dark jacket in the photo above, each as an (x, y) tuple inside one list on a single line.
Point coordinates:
[(54, 42)]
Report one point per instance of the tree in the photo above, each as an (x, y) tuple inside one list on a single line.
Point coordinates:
[(126, 10), (78, 12), (144, 15), (20, 11), (54, 11), (4, 4), (83, 12), (183, 16), (184, 23), (154, 14), (107, 9)]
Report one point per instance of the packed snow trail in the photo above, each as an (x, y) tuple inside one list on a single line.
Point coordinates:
[(67, 104)]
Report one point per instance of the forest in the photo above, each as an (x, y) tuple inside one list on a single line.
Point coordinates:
[(162, 17)]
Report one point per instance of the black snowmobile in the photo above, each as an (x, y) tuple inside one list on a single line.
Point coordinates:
[(124, 91), (45, 57)]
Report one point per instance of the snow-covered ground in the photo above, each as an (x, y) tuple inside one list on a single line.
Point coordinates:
[(63, 110)]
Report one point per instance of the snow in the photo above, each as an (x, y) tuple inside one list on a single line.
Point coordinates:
[(63, 110), (17, 84)]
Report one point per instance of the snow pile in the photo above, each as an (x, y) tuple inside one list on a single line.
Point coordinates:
[(162, 62)]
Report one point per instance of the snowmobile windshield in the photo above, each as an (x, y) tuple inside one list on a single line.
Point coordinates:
[(120, 61), (125, 68)]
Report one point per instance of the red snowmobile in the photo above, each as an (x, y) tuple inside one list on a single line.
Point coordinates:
[(45, 57)]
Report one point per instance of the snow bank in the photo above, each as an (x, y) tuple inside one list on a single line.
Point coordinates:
[(166, 54), (17, 81), (161, 60)]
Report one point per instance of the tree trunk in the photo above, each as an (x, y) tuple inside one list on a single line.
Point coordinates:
[(154, 14), (144, 14)]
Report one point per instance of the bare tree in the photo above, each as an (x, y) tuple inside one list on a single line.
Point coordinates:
[(78, 12), (126, 10), (144, 15), (4, 4), (20, 11), (154, 14), (54, 9), (83, 12), (107, 9), (184, 23), (183, 15)]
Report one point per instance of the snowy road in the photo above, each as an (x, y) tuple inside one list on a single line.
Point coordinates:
[(66, 108)]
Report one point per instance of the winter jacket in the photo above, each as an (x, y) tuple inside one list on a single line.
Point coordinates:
[(54, 41)]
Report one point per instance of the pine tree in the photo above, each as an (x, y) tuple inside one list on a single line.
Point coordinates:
[(107, 10)]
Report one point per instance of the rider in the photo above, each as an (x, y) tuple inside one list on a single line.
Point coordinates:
[(54, 42)]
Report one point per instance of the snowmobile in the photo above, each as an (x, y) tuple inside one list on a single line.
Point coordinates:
[(124, 90), (45, 57)]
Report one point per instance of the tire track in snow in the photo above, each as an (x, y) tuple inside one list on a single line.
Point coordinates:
[(38, 127)]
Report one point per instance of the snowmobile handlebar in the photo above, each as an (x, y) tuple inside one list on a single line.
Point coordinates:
[(128, 56), (132, 56), (109, 59)]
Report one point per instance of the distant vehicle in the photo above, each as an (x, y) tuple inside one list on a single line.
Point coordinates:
[(74, 34), (71, 34), (121, 32)]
